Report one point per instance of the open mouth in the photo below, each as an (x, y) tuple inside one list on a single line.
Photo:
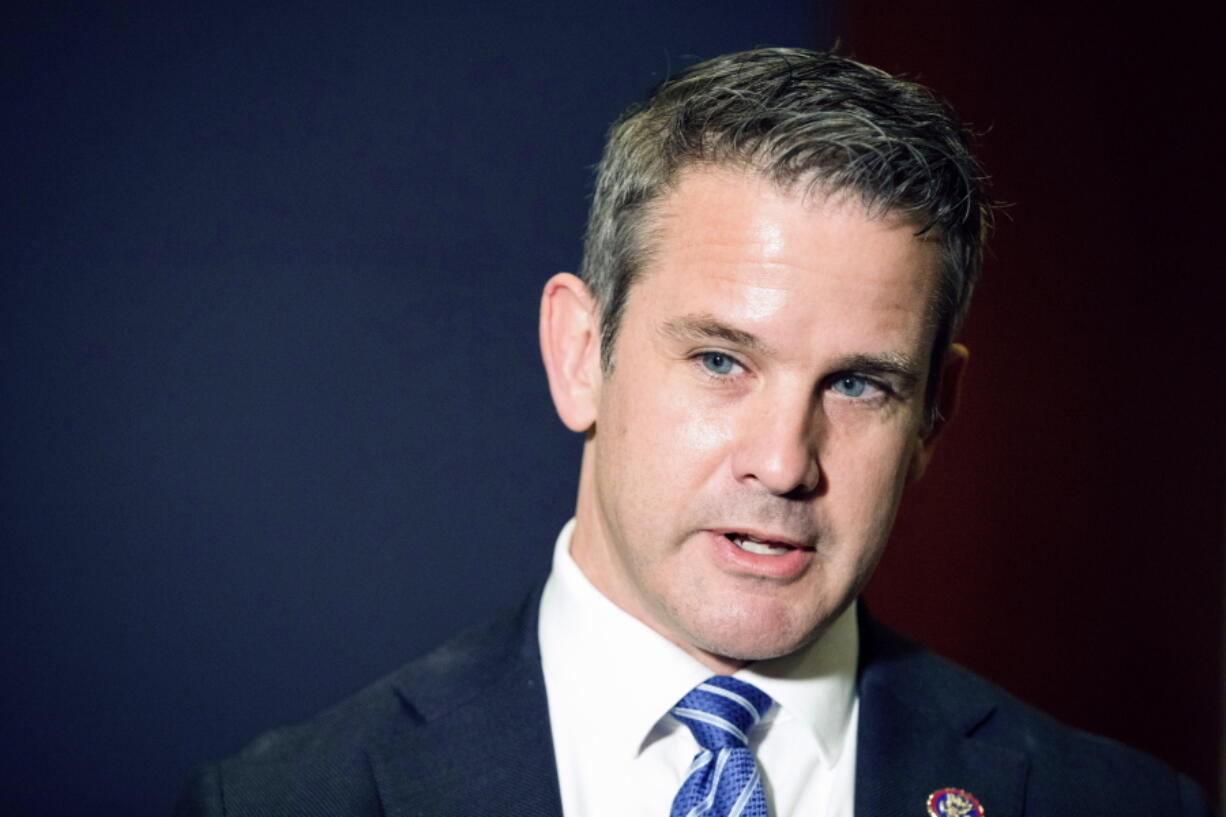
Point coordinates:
[(762, 547)]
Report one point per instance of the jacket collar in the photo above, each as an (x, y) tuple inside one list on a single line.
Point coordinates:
[(919, 716), (479, 741)]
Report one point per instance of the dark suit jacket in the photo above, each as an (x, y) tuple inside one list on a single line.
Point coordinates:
[(465, 731)]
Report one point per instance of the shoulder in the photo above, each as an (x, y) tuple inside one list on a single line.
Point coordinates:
[(325, 763), (299, 768), (1067, 770)]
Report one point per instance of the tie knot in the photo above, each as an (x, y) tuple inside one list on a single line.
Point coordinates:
[(721, 710)]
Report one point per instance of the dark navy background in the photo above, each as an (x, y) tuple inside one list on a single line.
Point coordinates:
[(273, 414)]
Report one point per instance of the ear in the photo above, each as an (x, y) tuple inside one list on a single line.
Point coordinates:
[(570, 346), (948, 391)]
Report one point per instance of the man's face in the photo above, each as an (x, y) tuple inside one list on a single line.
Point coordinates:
[(763, 412)]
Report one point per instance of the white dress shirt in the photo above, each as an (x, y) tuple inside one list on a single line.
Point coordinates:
[(611, 681)]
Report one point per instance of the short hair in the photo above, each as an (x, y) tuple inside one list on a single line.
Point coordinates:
[(795, 116)]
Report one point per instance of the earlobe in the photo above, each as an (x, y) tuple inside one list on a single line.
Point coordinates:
[(570, 347), (947, 396)]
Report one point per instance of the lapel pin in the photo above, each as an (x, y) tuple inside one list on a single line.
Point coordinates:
[(953, 803)]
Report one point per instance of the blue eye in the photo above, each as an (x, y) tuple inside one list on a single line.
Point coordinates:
[(717, 363), (850, 385)]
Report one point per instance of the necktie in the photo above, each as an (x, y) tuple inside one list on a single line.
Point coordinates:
[(723, 780)]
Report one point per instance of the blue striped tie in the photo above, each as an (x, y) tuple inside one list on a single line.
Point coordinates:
[(723, 780)]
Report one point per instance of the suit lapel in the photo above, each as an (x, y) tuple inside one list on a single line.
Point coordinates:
[(482, 743), (916, 735)]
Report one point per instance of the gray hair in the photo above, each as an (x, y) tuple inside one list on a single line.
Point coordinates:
[(792, 115)]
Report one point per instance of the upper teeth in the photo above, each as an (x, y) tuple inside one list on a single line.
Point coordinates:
[(745, 543)]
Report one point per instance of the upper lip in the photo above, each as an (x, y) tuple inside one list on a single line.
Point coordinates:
[(763, 535)]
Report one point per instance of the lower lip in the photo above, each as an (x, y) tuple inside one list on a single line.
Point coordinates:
[(783, 566)]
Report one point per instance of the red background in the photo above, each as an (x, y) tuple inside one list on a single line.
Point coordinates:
[(1068, 541)]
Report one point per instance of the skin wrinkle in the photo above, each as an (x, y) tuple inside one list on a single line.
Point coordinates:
[(811, 122), (677, 454), (704, 328)]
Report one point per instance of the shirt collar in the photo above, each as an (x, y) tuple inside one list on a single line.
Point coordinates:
[(597, 652), (816, 684)]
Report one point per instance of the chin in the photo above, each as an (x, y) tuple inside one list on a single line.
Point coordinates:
[(748, 653), (757, 639), (747, 650)]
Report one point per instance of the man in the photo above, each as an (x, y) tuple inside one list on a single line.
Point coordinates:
[(781, 247)]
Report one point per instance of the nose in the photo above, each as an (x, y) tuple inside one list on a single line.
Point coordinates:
[(779, 445)]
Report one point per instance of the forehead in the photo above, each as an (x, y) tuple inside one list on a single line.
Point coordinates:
[(728, 239)]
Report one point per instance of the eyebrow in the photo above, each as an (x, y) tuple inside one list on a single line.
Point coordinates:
[(704, 327)]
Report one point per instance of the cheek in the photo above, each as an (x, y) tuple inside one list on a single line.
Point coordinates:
[(668, 425), (701, 434), (865, 478)]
